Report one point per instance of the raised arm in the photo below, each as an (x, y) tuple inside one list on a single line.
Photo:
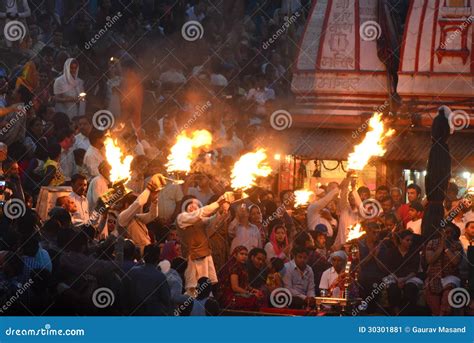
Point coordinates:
[(152, 214), (126, 216), (186, 219), (343, 200), (319, 204)]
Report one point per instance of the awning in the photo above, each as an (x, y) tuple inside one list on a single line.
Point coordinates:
[(409, 146)]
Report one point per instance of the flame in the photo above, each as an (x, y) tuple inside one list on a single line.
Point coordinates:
[(181, 155), (354, 232), (302, 197), (248, 168), (372, 145), (120, 167)]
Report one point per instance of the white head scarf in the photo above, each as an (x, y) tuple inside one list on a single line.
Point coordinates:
[(340, 253), (66, 81)]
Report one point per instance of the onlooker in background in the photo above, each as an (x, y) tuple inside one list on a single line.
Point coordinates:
[(68, 204), (78, 195), (79, 167), (278, 246), (235, 291), (99, 185), (256, 268), (11, 173), (94, 154), (443, 256), (69, 90), (364, 193), (413, 194), (333, 279), (35, 258), (147, 290), (81, 140), (415, 213), (371, 269), (244, 233), (381, 192), (203, 191), (204, 304), (467, 239), (52, 173), (397, 197), (66, 160), (320, 236), (402, 261), (298, 278)]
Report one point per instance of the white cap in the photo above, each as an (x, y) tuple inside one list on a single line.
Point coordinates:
[(165, 266)]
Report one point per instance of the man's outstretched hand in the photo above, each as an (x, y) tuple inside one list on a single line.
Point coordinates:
[(156, 183)]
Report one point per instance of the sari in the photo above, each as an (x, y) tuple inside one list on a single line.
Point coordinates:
[(226, 296)]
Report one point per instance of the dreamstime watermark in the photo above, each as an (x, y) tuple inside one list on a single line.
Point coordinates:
[(109, 23), (20, 113), (459, 297), (14, 30), (370, 30), (464, 204), (14, 209), (16, 296), (284, 27), (370, 208), (96, 213), (373, 295), (103, 120), (189, 301), (465, 24), (281, 120), (199, 111), (459, 120), (103, 297), (378, 109), (192, 30), (278, 213), (46, 331), (281, 297)]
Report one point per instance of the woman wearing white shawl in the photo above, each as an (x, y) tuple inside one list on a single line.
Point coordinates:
[(67, 88)]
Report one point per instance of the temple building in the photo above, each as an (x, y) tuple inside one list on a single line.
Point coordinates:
[(366, 56)]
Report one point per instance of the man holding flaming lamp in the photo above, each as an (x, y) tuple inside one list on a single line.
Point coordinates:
[(193, 222), (132, 220)]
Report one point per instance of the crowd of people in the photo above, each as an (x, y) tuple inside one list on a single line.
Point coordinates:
[(190, 248)]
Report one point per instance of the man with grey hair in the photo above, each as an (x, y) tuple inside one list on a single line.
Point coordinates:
[(397, 196)]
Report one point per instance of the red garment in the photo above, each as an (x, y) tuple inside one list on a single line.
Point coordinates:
[(276, 247), (169, 252), (403, 214), (227, 297)]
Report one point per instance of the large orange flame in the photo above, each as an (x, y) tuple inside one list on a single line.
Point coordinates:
[(372, 145), (181, 155), (120, 166), (302, 197), (248, 168), (355, 232)]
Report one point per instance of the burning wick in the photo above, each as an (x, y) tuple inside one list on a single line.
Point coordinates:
[(302, 197), (372, 145), (82, 96), (354, 232)]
